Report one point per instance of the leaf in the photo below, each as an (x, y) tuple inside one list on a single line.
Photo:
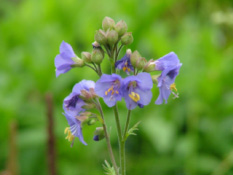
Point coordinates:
[(132, 130), (109, 170)]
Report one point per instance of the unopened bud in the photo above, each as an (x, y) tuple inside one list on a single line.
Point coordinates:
[(89, 106), (100, 37), (96, 45), (97, 55), (155, 78), (86, 57), (141, 62), (121, 27), (91, 121), (99, 134), (108, 23), (134, 57), (127, 38), (78, 62), (150, 66), (112, 37)]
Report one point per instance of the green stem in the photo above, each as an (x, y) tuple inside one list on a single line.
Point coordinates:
[(119, 134), (123, 164), (107, 139), (127, 123)]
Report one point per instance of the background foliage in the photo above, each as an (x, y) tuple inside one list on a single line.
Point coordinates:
[(188, 136)]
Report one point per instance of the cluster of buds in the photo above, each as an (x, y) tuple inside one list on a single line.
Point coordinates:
[(112, 33)]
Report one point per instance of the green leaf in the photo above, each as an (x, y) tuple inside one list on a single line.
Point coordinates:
[(132, 130), (109, 170)]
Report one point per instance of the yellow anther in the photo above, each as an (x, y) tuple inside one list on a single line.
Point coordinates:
[(109, 90), (106, 92), (124, 69), (117, 92), (70, 136), (173, 87), (134, 96)]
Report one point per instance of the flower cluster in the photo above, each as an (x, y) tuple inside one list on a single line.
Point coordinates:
[(135, 88)]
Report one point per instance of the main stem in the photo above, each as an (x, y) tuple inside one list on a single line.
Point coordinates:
[(123, 167), (107, 139)]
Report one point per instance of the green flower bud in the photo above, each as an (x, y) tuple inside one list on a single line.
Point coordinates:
[(100, 37), (121, 27), (134, 57), (89, 106), (141, 62), (112, 37), (155, 79), (86, 57), (99, 134), (127, 38), (78, 62), (108, 23), (97, 55), (91, 121), (150, 66)]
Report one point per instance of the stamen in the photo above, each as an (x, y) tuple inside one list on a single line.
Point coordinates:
[(173, 87), (134, 96), (70, 136)]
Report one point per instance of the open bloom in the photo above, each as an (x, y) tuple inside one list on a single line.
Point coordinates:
[(72, 104), (137, 90), (124, 63), (64, 61), (108, 87), (74, 129), (170, 66)]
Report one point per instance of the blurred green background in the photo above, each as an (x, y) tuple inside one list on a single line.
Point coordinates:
[(192, 135)]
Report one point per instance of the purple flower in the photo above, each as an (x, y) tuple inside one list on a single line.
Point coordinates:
[(170, 66), (137, 90), (108, 87), (72, 104), (124, 63), (63, 61), (75, 129)]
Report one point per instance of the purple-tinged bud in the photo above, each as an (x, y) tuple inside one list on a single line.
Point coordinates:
[(87, 96), (108, 23), (121, 27), (97, 55), (100, 37), (86, 57), (127, 38), (150, 66), (112, 37), (99, 134), (96, 45), (134, 58), (78, 62)]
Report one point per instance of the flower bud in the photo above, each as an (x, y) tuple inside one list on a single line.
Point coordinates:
[(112, 37), (91, 121), (97, 55), (100, 37), (127, 38), (86, 57), (108, 23), (155, 79), (121, 27), (87, 96), (78, 62), (96, 45), (134, 57), (141, 62), (99, 134), (150, 66), (89, 106)]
